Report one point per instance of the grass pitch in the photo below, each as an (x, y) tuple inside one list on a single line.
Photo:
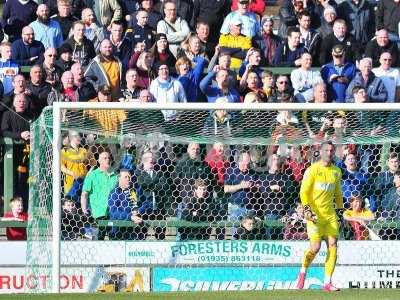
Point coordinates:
[(381, 294)]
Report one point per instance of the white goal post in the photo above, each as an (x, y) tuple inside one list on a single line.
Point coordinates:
[(58, 107)]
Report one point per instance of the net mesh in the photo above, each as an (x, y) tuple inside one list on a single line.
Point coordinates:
[(182, 176)]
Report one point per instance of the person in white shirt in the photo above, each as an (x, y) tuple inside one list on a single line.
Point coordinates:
[(165, 89), (303, 79), (390, 76)]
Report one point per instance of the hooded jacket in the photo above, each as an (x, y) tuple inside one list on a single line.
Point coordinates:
[(82, 53)]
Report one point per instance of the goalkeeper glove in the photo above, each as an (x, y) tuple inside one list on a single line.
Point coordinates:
[(309, 215), (339, 212)]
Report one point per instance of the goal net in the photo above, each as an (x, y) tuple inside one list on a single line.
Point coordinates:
[(128, 197)]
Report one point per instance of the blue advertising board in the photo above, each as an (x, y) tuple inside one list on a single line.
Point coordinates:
[(232, 279)]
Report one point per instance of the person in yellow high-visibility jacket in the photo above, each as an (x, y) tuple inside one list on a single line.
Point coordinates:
[(321, 194)]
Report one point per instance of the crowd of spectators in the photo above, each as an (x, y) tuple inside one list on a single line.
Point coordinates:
[(178, 51)]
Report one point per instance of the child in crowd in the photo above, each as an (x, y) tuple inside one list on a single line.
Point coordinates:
[(295, 225), (358, 216), (249, 229), (16, 214), (73, 221)]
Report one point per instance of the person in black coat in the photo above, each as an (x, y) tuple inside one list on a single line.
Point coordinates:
[(380, 44), (212, 13), (197, 207), (249, 230), (339, 36), (141, 31), (39, 89), (154, 15), (15, 124), (64, 17)]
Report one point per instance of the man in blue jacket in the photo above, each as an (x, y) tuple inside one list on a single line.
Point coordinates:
[(221, 89), (338, 74), (122, 205)]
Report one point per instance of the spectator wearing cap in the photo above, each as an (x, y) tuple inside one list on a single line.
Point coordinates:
[(235, 43), (161, 52), (190, 76), (374, 86), (288, 53), (141, 31), (358, 16), (288, 14), (390, 76), (221, 88), (381, 44), (46, 30), (303, 79), (388, 16), (250, 23), (93, 31), (109, 120), (64, 61), (329, 17), (337, 74), (309, 37), (153, 15), (82, 48), (27, 51), (175, 28), (268, 41), (105, 69), (342, 37), (166, 89), (255, 6)]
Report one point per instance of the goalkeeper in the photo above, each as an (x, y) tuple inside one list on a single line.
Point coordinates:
[(320, 189)]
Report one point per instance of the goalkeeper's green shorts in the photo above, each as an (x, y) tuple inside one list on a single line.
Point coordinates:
[(322, 229)]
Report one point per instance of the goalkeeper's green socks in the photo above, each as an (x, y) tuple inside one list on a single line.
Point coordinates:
[(308, 258), (330, 263)]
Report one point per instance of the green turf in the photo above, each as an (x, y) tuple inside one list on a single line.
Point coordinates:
[(262, 295)]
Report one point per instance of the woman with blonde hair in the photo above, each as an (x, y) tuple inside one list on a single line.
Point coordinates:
[(191, 48)]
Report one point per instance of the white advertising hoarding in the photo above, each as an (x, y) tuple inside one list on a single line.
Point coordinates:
[(212, 252), (77, 280)]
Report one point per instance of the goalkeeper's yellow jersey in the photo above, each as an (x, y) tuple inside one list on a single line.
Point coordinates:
[(321, 188)]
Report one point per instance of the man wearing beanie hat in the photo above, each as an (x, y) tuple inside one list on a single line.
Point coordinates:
[(329, 16)]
